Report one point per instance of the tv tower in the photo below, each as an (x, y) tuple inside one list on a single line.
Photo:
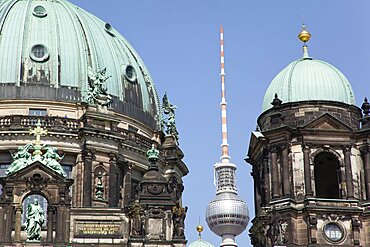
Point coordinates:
[(227, 215)]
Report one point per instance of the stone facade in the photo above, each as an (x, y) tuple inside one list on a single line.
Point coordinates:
[(105, 159), (311, 170)]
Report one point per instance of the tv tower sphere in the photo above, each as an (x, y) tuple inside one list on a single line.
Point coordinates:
[(227, 214)]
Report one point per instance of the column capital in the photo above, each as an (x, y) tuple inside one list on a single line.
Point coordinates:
[(365, 149), (306, 147), (285, 146), (18, 209), (113, 158), (273, 148), (51, 208), (88, 153), (347, 148)]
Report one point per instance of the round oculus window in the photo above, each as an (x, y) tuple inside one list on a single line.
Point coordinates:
[(130, 73), (39, 11), (333, 232), (108, 28), (39, 53)]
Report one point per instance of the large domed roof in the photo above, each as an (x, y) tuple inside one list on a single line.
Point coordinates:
[(53, 43), (309, 79)]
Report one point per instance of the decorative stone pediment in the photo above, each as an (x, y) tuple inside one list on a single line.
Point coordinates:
[(327, 122), (37, 167)]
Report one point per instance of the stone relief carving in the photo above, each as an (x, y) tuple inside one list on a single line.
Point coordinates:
[(136, 214), (277, 232), (36, 182), (178, 218), (258, 234)]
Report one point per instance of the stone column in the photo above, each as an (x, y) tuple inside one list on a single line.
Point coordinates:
[(348, 167), (113, 181), (285, 170), (366, 153), (307, 170), (2, 222), (60, 231), (275, 173), (87, 157), (18, 224), (50, 214), (267, 179), (312, 225), (126, 185), (356, 224), (67, 225), (8, 219)]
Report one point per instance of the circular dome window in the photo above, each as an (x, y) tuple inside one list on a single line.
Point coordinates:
[(39, 11), (130, 73), (39, 53), (333, 232), (108, 28)]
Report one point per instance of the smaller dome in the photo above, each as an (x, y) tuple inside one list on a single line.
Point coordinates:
[(308, 79), (200, 243)]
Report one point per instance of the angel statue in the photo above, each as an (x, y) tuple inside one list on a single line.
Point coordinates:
[(20, 159), (52, 158), (170, 120), (97, 93)]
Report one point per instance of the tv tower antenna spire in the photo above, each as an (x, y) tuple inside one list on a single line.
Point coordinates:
[(227, 215)]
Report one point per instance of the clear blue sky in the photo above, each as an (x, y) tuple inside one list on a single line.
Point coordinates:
[(179, 43)]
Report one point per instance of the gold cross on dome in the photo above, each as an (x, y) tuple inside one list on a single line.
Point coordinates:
[(38, 132)]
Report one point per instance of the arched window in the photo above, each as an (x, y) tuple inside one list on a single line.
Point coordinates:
[(326, 176)]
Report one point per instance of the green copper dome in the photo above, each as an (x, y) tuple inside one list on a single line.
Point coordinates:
[(309, 79), (200, 243), (53, 43)]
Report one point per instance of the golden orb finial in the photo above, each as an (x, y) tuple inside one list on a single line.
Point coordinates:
[(304, 35), (199, 228)]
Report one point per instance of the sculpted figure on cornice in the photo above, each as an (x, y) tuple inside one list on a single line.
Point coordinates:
[(51, 158), (170, 120), (24, 158), (96, 92), (20, 159)]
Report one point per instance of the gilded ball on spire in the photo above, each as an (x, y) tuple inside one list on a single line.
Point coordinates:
[(304, 35), (199, 228)]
